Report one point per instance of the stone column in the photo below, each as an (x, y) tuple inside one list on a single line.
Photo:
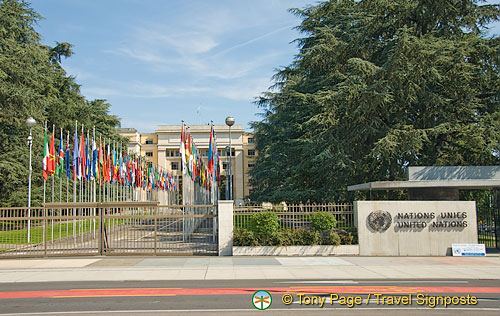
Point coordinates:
[(225, 221), (238, 175)]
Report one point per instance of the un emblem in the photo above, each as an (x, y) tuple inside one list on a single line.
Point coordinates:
[(379, 221)]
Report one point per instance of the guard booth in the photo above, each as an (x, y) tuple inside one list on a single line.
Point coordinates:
[(433, 217)]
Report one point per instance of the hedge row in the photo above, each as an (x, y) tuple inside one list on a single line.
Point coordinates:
[(265, 230)]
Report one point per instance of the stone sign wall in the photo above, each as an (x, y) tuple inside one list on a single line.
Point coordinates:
[(414, 228)]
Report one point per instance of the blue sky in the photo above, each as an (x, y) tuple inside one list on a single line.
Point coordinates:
[(160, 62)]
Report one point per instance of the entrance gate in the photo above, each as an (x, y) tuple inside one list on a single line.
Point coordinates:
[(118, 228), (488, 226)]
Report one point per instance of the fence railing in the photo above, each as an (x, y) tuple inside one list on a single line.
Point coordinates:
[(60, 229), (296, 215)]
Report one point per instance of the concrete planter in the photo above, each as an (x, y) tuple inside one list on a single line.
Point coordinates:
[(342, 250)]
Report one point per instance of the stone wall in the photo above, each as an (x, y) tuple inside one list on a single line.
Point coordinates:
[(414, 228)]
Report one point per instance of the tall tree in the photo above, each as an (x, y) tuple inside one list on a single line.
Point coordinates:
[(379, 85), (33, 83)]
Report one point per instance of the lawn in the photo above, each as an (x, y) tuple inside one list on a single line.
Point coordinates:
[(61, 230)]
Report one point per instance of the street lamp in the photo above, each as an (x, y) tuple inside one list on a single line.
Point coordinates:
[(30, 122), (230, 122)]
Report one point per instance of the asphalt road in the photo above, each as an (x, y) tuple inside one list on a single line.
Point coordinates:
[(234, 297)]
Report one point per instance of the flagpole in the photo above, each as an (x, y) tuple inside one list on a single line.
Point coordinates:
[(67, 184), (60, 180), (52, 200), (94, 174), (82, 176), (75, 170), (44, 191)]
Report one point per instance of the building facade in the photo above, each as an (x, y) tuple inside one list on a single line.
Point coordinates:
[(162, 149)]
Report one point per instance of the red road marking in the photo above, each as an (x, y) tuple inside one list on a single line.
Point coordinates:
[(227, 291)]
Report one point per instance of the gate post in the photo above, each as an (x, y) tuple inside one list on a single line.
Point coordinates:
[(225, 219), (101, 230)]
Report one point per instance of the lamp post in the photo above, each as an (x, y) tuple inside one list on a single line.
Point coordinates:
[(230, 122), (30, 122)]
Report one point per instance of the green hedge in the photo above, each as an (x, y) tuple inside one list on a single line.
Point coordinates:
[(265, 230), (294, 237), (323, 221)]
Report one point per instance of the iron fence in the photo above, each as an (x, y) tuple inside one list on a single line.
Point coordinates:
[(62, 229), (488, 226), (296, 216)]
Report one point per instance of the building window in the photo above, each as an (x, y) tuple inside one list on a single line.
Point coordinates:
[(251, 164), (177, 153), (149, 154), (174, 166), (172, 153), (250, 140), (224, 165), (149, 141), (251, 152)]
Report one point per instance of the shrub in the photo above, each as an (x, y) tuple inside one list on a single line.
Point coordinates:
[(288, 237), (244, 237), (347, 237), (332, 238), (307, 237), (323, 221), (264, 225)]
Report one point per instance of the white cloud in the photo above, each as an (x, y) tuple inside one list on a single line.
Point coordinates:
[(246, 90), (255, 39), (100, 92)]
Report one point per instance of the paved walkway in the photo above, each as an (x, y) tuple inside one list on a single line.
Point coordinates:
[(240, 268)]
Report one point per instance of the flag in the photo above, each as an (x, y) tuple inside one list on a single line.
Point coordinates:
[(99, 165), (110, 168), (182, 151), (83, 157), (68, 163), (211, 152), (76, 158), (52, 158), (94, 158), (60, 158), (87, 158), (45, 156)]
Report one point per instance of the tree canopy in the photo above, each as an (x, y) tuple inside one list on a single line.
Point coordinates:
[(377, 86), (34, 83)]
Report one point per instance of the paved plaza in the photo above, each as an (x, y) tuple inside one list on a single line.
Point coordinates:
[(240, 268)]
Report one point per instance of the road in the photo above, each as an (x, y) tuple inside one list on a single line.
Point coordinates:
[(234, 297)]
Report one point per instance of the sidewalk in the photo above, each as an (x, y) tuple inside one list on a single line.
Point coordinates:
[(240, 268)]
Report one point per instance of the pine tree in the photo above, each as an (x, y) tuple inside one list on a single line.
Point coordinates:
[(33, 83), (378, 86)]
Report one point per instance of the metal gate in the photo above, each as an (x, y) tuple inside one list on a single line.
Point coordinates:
[(488, 225), (126, 228)]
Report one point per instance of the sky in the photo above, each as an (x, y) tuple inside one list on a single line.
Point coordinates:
[(158, 62)]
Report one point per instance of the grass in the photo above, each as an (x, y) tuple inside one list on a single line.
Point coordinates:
[(20, 236), (62, 230)]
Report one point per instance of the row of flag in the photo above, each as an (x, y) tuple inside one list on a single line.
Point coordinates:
[(193, 164), (104, 164)]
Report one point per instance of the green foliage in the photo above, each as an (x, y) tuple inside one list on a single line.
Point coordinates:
[(332, 238), (33, 83), (307, 237), (244, 237), (347, 237), (294, 237), (378, 86), (264, 224), (323, 221)]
